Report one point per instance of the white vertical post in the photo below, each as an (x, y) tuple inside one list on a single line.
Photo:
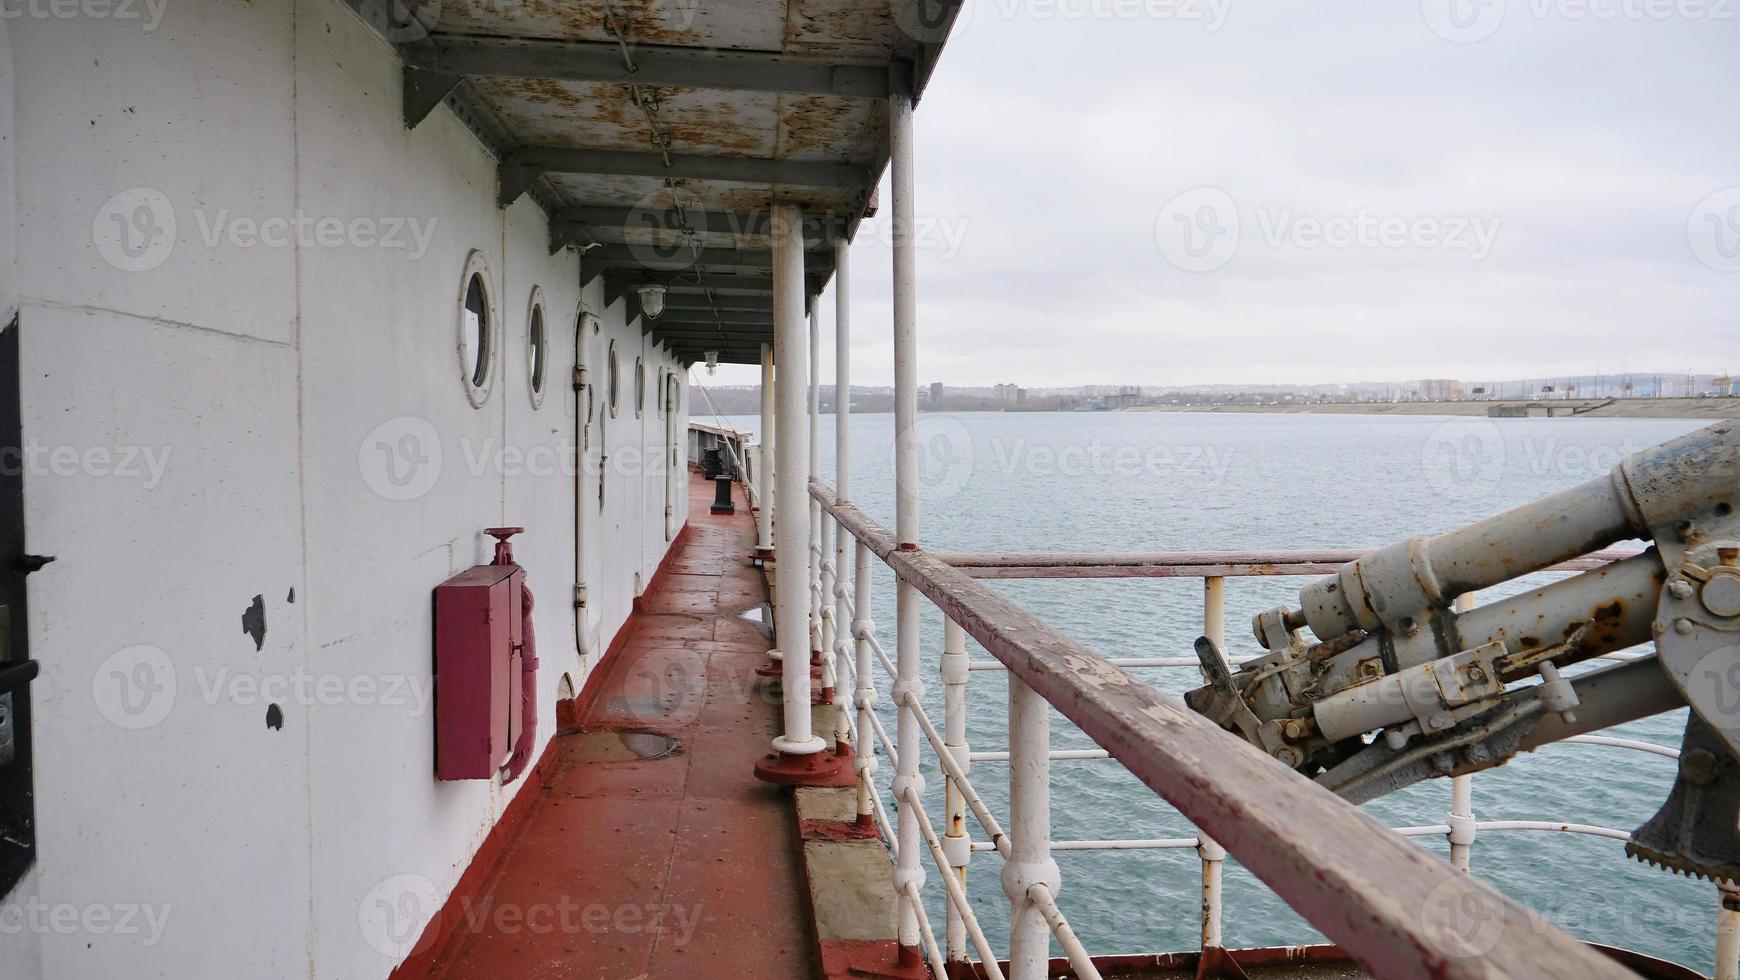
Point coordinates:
[(764, 459), (821, 617), (814, 471), (1461, 816), (1212, 854), (957, 844), (792, 530), (864, 761), (908, 687), (1030, 860), (844, 628), (1728, 936)]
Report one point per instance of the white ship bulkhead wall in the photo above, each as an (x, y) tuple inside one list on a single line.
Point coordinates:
[(257, 377)]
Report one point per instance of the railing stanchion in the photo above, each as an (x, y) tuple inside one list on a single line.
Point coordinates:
[(1728, 936), (1461, 817), (864, 761), (1213, 862), (1212, 854), (1029, 862), (957, 843)]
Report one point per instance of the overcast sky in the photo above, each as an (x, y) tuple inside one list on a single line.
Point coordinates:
[(1282, 191)]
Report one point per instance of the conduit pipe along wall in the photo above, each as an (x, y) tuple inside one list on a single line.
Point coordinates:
[(585, 498)]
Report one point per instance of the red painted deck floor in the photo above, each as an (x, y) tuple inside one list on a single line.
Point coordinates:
[(636, 862)]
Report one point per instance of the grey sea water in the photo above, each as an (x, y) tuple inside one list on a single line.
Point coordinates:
[(1161, 481)]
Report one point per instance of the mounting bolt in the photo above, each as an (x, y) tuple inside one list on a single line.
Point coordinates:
[(1698, 766), (1721, 595), (1679, 588), (1683, 627)]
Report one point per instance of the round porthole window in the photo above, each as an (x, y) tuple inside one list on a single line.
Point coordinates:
[(476, 330), (639, 387), (537, 347), (612, 383)]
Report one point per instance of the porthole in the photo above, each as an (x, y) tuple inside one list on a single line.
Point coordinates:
[(660, 406), (476, 330), (612, 383), (537, 347), (639, 387)]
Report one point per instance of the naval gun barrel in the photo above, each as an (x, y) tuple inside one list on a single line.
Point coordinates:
[(1645, 491)]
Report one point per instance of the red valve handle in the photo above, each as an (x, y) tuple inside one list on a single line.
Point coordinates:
[(504, 551)]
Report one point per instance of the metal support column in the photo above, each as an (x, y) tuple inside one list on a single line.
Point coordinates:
[(819, 650), (799, 753), (908, 687), (844, 628), (764, 474)]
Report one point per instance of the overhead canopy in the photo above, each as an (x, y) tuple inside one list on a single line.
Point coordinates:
[(659, 133)]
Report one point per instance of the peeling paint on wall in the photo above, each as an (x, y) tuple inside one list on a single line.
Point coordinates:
[(254, 622)]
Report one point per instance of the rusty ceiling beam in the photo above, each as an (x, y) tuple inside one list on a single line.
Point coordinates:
[(683, 302), (519, 168), (680, 260), (654, 64), (615, 225)]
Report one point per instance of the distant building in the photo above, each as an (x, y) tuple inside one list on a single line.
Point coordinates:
[(1440, 390), (1006, 394), (936, 392)]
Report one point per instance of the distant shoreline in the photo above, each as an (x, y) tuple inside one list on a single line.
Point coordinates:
[(1622, 408)]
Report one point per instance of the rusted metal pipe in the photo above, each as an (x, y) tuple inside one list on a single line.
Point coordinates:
[(1390, 904)]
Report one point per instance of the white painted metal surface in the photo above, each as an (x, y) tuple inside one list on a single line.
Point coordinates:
[(769, 476), (792, 529), (277, 385)]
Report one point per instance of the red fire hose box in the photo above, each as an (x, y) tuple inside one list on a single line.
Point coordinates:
[(480, 645)]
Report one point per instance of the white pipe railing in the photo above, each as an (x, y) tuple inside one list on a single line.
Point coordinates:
[(953, 755)]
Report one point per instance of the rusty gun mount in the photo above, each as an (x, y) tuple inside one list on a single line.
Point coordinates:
[(1378, 681)]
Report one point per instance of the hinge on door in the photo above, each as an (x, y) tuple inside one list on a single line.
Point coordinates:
[(579, 597)]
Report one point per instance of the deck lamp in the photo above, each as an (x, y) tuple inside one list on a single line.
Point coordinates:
[(712, 362), (652, 300)]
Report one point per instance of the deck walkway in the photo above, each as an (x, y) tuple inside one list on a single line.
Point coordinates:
[(648, 859)]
